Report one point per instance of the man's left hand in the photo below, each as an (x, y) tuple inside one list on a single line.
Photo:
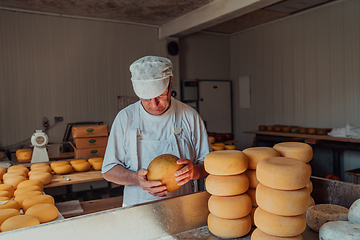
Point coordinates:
[(187, 173)]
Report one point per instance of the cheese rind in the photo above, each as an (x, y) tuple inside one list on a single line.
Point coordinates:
[(45, 212), (283, 173), (297, 150), (257, 154), (319, 214), (229, 228), (230, 207), (14, 180), (344, 230), (17, 222), (39, 199), (63, 169), (44, 177), (276, 225), (27, 183), (257, 234), (226, 162), (8, 213), (10, 204), (227, 185), (282, 202), (81, 166)]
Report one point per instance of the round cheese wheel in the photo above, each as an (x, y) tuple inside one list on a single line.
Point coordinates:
[(257, 234), (20, 191), (256, 154), (77, 161), (21, 197), (283, 173), (17, 167), (4, 198), (252, 194), (63, 169), (297, 150), (39, 165), (37, 171), (14, 173), (282, 202), (7, 187), (17, 222), (230, 207), (253, 181), (45, 212), (2, 172), (228, 162), (282, 226), (32, 182), (230, 147), (8, 213), (53, 164), (41, 169), (24, 154), (354, 212), (10, 204), (91, 160), (217, 147), (227, 185), (44, 177), (336, 230), (229, 228), (97, 165), (81, 166), (37, 199), (5, 194), (212, 139), (319, 214), (14, 180)]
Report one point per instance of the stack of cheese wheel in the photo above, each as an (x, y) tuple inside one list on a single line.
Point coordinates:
[(15, 174), (282, 196), (61, 167), (80, 165), (2, 172), (300, 151), (229, 205), (96, 163), (255, 155), (41, 171)]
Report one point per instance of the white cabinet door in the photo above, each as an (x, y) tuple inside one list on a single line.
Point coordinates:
[(215, 105)]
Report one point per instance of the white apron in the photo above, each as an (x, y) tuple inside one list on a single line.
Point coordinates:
[(144, 151)]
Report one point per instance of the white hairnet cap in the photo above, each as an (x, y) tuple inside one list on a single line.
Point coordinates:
[(150, 76)]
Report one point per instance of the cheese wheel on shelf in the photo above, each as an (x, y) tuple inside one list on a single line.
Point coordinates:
[(282, 202), (78, 161), (336, 230), (17, 222), (21, 197), (17, 167), (8, 213), (2, 172), (45, 212), (63, 169), (39, 165), (276, 225), (53, 164), (7, 187), (38, 199), (32, 182), (14, 174), (20, 191), (227, 162), (257, 234), (229, 228), (41, 168), (97, 159), (230, 147), (24, 154), (14, 180), (230, 207), (252, 194), (253, 181), (212, 139), (97, 165), (227, 185), (4, 198), (44, 177), (37, 171), (319, 214), (256, 154), (10, 204), (298, 150), (5, 194), (81, 166), (283, 173)]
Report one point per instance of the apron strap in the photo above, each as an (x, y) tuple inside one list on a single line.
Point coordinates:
[(178, 117), (135, 134)]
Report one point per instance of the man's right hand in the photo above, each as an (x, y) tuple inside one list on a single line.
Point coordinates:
[(155, 188)]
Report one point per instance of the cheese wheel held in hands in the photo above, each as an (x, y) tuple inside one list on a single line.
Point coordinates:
[(227, 162)]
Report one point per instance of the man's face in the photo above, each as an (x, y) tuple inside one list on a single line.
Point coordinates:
[(160, 104)]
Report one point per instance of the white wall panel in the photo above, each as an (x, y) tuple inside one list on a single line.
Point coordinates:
[(74, 68)]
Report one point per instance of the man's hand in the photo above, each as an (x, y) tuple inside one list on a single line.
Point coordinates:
[(189, 171), (155, 188)]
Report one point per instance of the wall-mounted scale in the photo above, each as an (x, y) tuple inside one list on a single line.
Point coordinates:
[(39, 141)]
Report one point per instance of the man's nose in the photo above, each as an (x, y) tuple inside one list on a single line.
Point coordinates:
[(154, 101)]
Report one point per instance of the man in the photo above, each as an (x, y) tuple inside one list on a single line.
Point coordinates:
[(157, 124)]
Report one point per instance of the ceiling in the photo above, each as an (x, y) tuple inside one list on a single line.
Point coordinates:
[(175, 18)]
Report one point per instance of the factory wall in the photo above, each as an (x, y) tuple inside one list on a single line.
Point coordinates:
[(74, 68)]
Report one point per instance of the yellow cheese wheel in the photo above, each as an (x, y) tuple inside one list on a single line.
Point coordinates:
[(7, 187), (217, 147), (45, 212), (63, 169), (37, 171), (27, 183), (256, 154), (212, 139), (276, 225), (21, 197), (2, 172), (97, 165), (39, 165), (10, 204), (44, 177), (37, 199), (4, 198), (14, 173), (53, 164), (228, 162), (91, 160), (5, 194), (282, 202), (15, 180), (24, 154), (77, 161), (252, 194), (283, 173), (257, 234), (41, 169), (17, 222), (20, 191), (230, 207), (81, 166), (17, 167), (253, 181), (297, 150), (8, 213), (227, 185), (229, 228), (252, 215), (230, 147)]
